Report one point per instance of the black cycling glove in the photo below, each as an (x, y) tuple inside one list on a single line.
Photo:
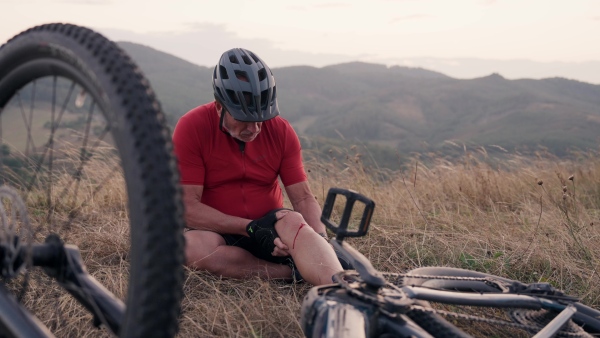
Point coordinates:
[(262, 231)]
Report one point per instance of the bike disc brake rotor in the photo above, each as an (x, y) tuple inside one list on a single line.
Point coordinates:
[(15, 231)]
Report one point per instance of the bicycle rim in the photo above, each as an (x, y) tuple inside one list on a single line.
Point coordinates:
[(482, 321), (84, 142)]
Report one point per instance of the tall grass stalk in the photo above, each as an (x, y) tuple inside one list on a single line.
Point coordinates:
[(476, 212)]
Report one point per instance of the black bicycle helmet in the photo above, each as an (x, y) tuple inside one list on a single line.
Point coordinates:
[(245, 85)]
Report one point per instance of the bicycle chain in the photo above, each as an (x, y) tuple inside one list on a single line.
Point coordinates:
[(399, 277), (380, 303), (530, 328)]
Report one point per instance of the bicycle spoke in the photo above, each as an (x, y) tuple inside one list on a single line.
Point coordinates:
[(59, 152), (50, 140), (50, 148), (84, 156), (31, 108), (47, 156), (26, 121), (111, 175)]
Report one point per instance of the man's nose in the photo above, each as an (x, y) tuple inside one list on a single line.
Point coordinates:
[(253, 127)]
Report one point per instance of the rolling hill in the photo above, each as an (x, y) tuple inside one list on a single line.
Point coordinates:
[(401, 109)]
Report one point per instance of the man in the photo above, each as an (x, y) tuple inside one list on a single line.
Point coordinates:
[(231, 153)]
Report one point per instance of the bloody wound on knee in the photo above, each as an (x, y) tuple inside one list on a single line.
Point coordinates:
[(297, 232)]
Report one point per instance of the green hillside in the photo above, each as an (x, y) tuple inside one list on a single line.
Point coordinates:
[(401, 109), (180, 85)]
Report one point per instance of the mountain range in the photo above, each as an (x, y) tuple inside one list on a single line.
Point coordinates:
[(401, 109)]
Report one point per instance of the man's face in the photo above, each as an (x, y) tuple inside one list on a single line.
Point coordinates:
[(243, 131)]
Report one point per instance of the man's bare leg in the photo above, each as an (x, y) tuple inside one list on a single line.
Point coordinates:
[(312, 254), (206, 250)]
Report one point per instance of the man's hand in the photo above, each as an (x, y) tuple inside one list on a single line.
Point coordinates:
[(281, 250), (262, 231)]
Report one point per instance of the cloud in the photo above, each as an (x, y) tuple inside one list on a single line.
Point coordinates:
[(332, 5), (204, 43), (72, 2), (87, 2), (295, 8), (411, 17)]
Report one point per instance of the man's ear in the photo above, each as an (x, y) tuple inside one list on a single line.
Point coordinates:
[(219, 107)]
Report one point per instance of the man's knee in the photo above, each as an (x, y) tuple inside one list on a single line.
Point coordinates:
[(290, 225), (199, 246)]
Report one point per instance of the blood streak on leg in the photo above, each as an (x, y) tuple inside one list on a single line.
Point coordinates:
[(301, 226)]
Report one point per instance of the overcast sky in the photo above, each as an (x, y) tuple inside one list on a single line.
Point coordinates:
[(462, 38)]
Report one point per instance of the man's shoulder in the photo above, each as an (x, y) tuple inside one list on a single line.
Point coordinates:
[(280, 125), (201, 112), (196, 121)]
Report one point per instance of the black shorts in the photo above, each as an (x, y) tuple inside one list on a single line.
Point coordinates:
[(247, 244)]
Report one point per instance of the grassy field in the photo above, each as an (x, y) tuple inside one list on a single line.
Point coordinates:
[(532, 219)]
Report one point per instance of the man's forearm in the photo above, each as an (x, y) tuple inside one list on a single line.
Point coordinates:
[(202, 217), (311, 211)]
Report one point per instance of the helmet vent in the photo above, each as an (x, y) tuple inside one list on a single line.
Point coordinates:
[(274, 94), (264, 99), (249, 100), (241, 75), (232, 96), (262, 74), (221, 97), (253, 57), (223, 73), (233, 59), (246, 60)]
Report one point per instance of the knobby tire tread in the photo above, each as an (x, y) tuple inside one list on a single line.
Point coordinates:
[(150, 170)]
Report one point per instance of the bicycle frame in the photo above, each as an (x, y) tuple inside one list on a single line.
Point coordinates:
[(88, 131), (373, 323), (367, 305), (64, 264)]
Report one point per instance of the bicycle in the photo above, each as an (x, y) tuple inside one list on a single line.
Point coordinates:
[(84, 147), (369, 303)]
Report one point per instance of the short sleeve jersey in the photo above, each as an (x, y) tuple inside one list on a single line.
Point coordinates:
[(235, 182)]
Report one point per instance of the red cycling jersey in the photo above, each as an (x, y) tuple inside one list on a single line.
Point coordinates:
[(235, 182)]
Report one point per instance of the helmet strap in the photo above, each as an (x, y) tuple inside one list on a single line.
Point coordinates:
[(241, 144), (223, 112)]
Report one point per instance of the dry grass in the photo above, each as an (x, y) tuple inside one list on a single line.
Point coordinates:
[(468, 213)]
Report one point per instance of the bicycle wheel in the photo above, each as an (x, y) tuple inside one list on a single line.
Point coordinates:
[(501, 318), (84, 142)]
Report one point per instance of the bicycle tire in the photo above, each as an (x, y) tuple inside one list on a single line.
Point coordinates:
[(456, 285), (437, 278), (138, 129)]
